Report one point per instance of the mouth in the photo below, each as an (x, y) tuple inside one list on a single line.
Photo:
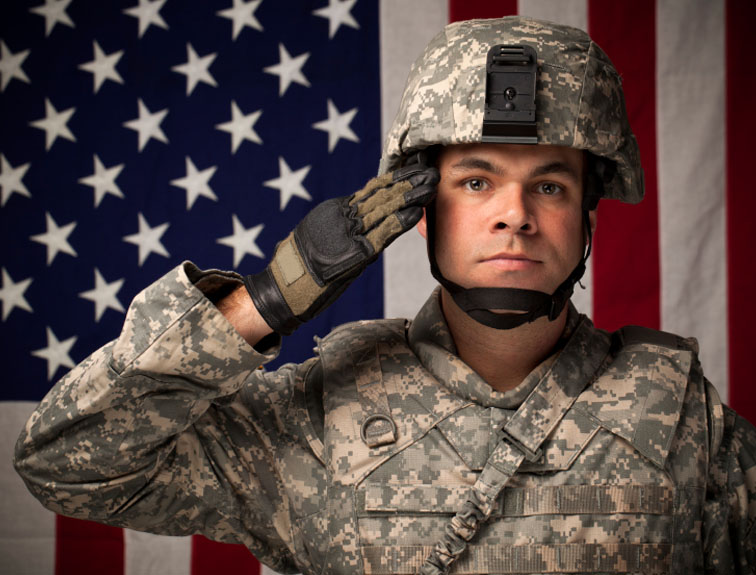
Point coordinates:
[(511, 262)]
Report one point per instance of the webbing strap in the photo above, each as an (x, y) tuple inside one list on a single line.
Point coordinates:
[(378, 428), (521, 438), (647, 558)]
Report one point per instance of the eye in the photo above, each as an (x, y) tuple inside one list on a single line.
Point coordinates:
[(549, 188), (475, 185)]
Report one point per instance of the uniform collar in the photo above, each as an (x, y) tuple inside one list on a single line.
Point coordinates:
[(432, 342)]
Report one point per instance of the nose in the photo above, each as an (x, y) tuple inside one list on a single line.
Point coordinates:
[(512, 211)]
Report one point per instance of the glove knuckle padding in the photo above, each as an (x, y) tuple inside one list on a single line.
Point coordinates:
[(329, 241)]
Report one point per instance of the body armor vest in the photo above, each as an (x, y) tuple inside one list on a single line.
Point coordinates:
[(613, 480)]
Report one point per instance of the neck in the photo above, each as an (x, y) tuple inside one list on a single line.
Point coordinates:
[(503, 358)]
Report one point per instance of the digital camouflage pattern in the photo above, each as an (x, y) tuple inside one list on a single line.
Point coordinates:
[(579, 98), (171, 429)]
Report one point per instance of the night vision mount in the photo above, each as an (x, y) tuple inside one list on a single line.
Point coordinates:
[(510, 95)]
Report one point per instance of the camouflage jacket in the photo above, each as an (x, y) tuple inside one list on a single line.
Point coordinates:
[(355, 460)]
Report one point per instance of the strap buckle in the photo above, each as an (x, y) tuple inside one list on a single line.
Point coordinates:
[(531, 456)]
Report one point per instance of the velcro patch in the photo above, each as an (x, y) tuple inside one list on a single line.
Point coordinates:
[(289, 263)]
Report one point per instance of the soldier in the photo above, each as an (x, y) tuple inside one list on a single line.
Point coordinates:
[(497, 432)]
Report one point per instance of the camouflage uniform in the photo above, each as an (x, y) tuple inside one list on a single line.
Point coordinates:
[(355, 460)]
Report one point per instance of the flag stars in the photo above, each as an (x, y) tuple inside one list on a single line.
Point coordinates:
[(242, 14), (148, 125), (241, 127), (338, 12), (288, 70), (103, 66), (337, 126), (10, 66), (103, 181), (10, 180), (54, 12), (12, 294), (56, 353), (196, 69), (104, 295), (243, 240), (148, 239), (196, 183), (55, 238), (55, 124), (289, 183), (148, 14)]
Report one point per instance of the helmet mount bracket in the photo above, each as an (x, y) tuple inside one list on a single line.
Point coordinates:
[(510, 110)]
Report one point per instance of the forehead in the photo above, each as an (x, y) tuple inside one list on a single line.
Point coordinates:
[(510, 156)]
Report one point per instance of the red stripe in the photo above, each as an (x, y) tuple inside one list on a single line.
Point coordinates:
[(741, 203), (626, 273), (85, 547), (211, 558), (469, 9)]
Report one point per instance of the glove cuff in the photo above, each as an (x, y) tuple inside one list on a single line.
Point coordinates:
[(270, 302)]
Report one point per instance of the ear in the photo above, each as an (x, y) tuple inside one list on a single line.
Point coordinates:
[(592, 218), (422, 225)]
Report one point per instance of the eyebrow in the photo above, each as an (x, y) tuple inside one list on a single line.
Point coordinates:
[(556, 167)]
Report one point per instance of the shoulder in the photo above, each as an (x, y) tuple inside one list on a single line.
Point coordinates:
[(635, 335)]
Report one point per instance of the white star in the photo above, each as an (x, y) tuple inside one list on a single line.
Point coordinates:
[(148, 239), (241, 127), (104, 295), (338, 13), (12, 294), (10, 180), (103, 181), (54, 124), (196, 183), (148, 125), (103, 67), (196, 69), (10, 66), (337, 126), (288, 70), (56, 353), (55, 238), (289, 183), (148, 13), (54, 11), (243, 240), (242, 14)]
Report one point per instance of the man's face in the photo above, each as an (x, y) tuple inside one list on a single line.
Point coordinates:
[(509, 215)]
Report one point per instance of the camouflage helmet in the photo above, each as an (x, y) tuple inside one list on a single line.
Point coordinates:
[(579, 99)]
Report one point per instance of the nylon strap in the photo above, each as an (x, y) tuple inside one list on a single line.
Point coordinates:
[(521, 439), (378, 427), (646, 558)]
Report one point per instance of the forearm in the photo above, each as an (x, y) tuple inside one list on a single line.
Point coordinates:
[(238, 309)]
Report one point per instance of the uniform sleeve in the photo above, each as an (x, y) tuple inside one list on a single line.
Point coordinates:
[(730, 511), (171, 428)]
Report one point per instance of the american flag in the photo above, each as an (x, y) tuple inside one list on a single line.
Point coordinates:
[(135, 134)]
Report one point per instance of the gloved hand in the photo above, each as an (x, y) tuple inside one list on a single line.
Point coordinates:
[(331, 246)]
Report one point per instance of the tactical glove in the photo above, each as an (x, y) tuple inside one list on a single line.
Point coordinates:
[(331, 246)]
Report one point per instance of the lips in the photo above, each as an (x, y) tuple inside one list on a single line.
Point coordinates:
[(510, 261)]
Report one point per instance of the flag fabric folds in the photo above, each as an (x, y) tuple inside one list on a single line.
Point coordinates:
[(135, 134)]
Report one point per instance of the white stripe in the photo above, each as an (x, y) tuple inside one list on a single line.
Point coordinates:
[(570, 13), (690, 75), (148, 554), (406, 27), (27, 530)]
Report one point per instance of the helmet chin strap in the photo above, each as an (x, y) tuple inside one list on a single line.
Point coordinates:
[(479, 301)]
